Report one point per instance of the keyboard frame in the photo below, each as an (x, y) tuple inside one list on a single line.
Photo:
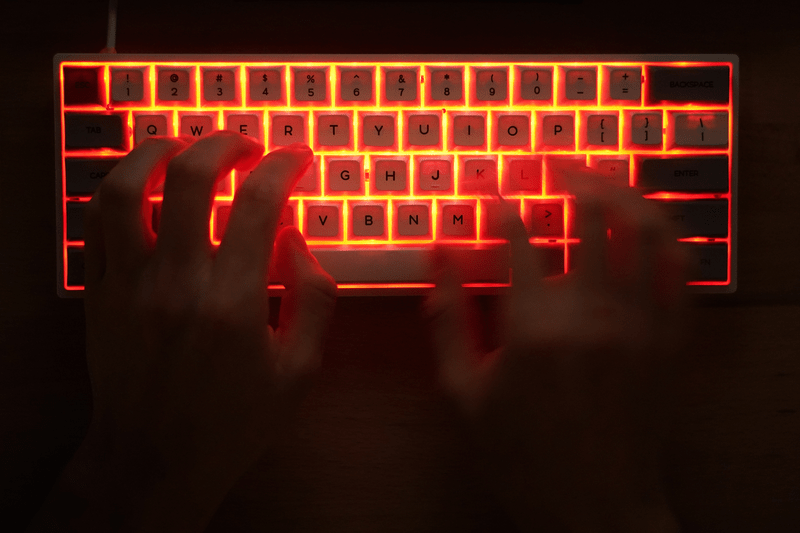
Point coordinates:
[(730, 59)]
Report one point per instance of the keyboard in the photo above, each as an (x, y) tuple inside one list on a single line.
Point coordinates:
[(409, 150)]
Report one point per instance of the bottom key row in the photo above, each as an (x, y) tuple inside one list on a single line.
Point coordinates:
[(480, 263)]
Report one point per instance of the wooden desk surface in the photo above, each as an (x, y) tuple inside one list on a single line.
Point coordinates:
[(376, 447)]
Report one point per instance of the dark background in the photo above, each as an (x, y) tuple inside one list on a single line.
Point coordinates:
[(376, 447)]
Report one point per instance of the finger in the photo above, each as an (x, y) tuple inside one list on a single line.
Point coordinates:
[(121, 202), (451, 314), (526, 264), (592, 256), (183, 234), (246, 247), (307, 308)]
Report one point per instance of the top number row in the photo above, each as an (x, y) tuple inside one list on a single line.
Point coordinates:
[(320, 86)]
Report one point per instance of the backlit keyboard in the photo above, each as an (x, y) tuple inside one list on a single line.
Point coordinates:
[(409, 149)]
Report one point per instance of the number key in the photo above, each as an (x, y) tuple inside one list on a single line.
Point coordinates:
[(356, 85), (265, 85), (219, 85), (401, 85), (310, 85), (536, 84), (491, 85), (447, 84), (174, 84)]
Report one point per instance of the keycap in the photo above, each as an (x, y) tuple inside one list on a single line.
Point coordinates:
[(149, 126), (82, 86), (698, 218), (424, 130), (544, 218), (447, 84), (390, 175), (344, 174), (617, 171), (83, 176), (368, 221), (246, 124), (707, 84), (698, 129), (310, 85), (469, 130), (536, 84), (557, 131), (435, 174), (378, 130), (309, 182), (219, 85), (580, 84), (265, 84), (323, 220), (625, 83), (196, 125), (75, 217), (333, 130), (707, 262), (287, 129), (492, 218), (645, 129), (174, 84), (127, 85), (356, 85), (522, 175), (602, 131), (75, 267), (491, 85), (513, 130), (93, 130), (478, 263), (401, 85), (458, 220), (413, 220), (683, 174), (478, 175)]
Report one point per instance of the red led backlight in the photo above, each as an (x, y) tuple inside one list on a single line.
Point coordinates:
[(410, 151)]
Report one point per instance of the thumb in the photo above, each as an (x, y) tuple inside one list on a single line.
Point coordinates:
[(306, 309), (451, 315)]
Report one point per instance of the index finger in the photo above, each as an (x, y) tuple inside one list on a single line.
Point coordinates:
[(246, 247)]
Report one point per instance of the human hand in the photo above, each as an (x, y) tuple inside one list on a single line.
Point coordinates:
[(190, 383), (568, 410)]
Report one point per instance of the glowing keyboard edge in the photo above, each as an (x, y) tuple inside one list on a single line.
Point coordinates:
[(415, 261)]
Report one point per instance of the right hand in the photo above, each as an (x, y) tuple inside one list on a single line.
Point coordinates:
[(566, 410)]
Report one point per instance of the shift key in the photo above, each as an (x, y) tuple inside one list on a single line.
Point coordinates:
[(698, 218), (85, 130)]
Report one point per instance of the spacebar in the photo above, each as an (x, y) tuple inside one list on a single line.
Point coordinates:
[(486, 263)]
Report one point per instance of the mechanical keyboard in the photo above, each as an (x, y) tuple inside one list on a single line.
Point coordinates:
[(409, 150)]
